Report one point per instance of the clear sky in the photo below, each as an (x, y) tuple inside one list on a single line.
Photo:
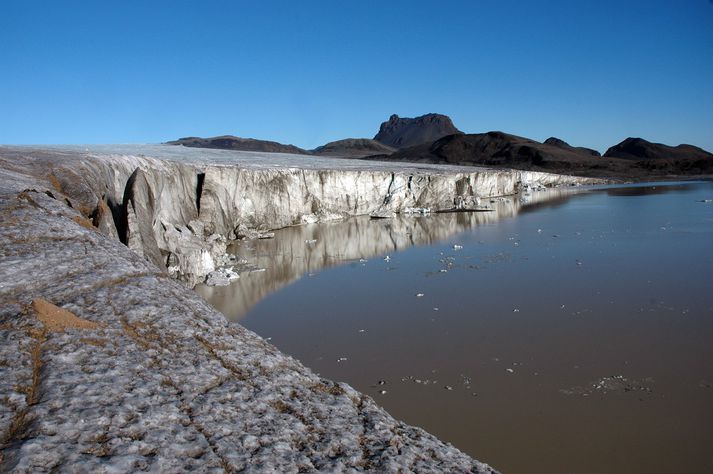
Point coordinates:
[(308, 72)]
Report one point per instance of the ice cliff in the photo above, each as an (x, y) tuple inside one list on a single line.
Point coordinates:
[(177, 206)]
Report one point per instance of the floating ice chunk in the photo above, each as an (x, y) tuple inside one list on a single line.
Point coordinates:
[(417, 210), (419, 295), (221, 277), (309, 219), (244, 232), (457, 247), (381, 214)]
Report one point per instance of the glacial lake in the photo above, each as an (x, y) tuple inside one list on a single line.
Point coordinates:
[(566, 331)]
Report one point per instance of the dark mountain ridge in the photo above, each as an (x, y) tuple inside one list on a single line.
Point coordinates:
[(491, 148), (230, 142), (635, 159), (432, 138), (638, 149), (554, 141)]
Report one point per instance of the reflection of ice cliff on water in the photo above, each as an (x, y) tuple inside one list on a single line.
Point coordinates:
[(300, 250)]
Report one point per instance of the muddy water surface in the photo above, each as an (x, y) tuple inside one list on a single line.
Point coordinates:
[(570, 334)]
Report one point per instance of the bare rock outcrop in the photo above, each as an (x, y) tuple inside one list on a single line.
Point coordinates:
[(404, 132)]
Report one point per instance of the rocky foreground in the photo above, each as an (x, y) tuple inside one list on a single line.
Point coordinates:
[(108, 363)]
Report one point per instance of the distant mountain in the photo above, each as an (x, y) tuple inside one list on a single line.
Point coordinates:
[(660, 159), (400, 132), (629, 159), (229, 142), (353, 148), (566, 146), (432, 138), (640, 149)]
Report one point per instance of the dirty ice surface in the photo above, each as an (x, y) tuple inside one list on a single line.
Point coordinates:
[(577, 333), (250, 159)]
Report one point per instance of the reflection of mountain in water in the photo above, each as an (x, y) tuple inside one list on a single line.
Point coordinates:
[(296, 251)]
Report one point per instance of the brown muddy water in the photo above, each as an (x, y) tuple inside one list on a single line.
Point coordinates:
[(573, 333)]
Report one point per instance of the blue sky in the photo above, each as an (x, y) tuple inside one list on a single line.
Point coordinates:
[(308, 72)]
